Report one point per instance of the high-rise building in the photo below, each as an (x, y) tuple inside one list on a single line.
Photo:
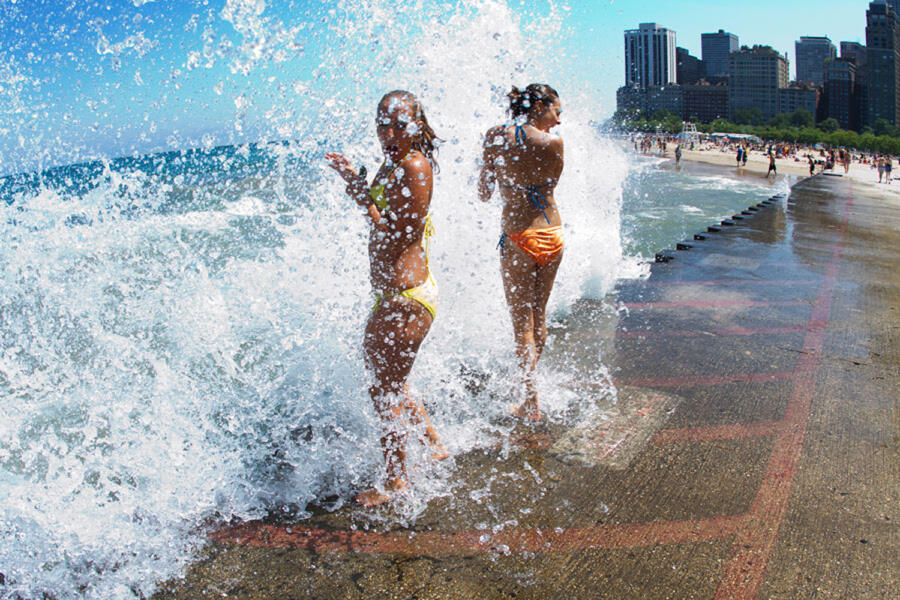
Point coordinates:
[(756, 76), (715, 50), (705, 103), (840, 99), (690, 68), (799, 95), (855, 52), (701, 103), (650, 99), (650, 56), (882, 71), (811, 53), (895, 4)]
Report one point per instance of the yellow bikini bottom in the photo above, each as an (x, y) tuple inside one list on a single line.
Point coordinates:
[(425, 294)]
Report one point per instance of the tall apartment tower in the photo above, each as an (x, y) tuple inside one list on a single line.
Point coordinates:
[(690, 68), (841, 97), (756, 76), (895, 4), (715, 50), (811, 53), (854, 52), (881, 92), (650, 56)]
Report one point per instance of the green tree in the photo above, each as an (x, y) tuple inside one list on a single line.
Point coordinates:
[(625, 117), (661, 115), (810, 135), (883, 127), (788, 134), (829, 125), (673, 124), (749, 116), (846, 139), (780, 121), (722, 125), (868, 142), (802, 118)]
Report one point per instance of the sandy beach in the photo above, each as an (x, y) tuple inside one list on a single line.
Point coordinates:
[(758, 164)]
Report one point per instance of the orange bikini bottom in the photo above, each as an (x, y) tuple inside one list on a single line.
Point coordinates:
[(543, 245)]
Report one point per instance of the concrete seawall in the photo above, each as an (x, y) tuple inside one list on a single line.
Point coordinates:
[(753, 452)]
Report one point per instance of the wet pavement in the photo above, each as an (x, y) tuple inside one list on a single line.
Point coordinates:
[(753, 450)]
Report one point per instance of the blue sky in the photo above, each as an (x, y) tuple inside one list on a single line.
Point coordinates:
[(83, 79)]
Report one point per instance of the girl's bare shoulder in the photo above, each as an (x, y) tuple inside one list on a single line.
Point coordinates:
[(495, 136)]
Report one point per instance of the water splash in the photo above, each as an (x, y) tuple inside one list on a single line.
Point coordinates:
[(181, 332)]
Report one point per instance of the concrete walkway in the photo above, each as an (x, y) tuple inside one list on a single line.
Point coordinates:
[(753, 452)]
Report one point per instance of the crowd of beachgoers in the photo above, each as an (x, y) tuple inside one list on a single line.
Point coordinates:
[(739, 150)]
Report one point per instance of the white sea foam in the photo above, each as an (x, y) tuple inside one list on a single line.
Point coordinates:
[(171, 366)]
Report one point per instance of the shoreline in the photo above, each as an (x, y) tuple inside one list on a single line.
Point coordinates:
[(723, 163)]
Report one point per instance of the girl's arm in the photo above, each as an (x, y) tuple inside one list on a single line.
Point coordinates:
[(357, 188), (487, 176), (411, 195)]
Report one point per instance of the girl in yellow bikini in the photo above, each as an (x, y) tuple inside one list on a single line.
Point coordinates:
[(526, 160), (396, 206)]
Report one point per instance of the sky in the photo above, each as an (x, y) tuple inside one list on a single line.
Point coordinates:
[(85, 79)]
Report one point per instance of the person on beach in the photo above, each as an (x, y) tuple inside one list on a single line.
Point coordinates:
[(880, 165), (745, 155), (396, 206), (526, 161), (740, 155), (888, 167), (678, 154), (812, 165), (772, 168)]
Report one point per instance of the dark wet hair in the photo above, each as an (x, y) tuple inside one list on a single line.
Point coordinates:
[(521, 101), (425, 140)]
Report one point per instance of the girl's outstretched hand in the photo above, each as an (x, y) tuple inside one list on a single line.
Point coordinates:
[(356, 183), (339, 163)]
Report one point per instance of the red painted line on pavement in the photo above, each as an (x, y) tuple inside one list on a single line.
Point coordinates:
[(755, 532), (706, 332), (744, 573), (706, 304), (703, 380), (467, 543), (713, 433), (721, 282)]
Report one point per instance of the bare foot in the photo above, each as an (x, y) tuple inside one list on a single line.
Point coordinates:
[(374, 497), (528, 411), (439, 452)]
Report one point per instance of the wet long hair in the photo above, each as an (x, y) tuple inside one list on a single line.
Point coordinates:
[(424, 140), (521, 101)]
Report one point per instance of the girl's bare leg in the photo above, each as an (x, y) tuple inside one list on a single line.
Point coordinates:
[(392, 339), (545, 278), (519, 284), (418, 416)]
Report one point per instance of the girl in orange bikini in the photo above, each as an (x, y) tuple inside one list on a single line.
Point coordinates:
[(526, 161), (396, 207)]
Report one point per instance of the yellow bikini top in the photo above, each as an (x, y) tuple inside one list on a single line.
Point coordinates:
[(376, 193)]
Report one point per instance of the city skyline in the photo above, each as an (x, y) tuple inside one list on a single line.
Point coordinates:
[(144, 66)]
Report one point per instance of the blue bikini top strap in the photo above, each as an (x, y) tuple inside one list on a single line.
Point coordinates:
[(520, 135), (533, 192), (538, 200)]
